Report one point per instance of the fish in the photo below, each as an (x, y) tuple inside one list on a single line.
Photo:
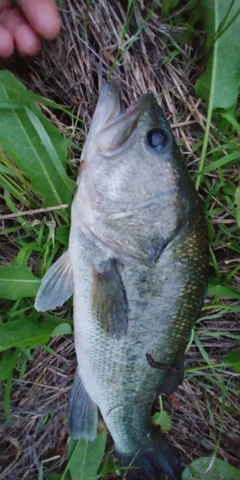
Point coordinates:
[(137, 266)]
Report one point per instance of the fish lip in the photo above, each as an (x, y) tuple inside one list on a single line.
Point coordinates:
[(134, 110), (137, 107), (110, 92)]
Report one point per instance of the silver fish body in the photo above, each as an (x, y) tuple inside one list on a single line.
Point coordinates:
[(137, 264)]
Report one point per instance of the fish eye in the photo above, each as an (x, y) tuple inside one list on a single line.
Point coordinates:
[(157, 139)]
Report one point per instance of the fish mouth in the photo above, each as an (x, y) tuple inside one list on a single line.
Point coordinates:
[(133, 111), (141, 104), (120, 125), (109, 101)]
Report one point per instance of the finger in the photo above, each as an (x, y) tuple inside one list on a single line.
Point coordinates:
[(6, 43), (26, 40), (5, 4), (43, 16)]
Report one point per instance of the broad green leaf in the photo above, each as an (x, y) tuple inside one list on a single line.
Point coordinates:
[(8, 363), (33, 143), (233, 358), (229, 188), (57, 476), (55, 318), (221, 80), (222, 291), (168, 5), (25, 332), (107, 466), (62, 329), (62, 234), (19, 91), (205, 468), (17, 282), (84, 457), (163, 419)]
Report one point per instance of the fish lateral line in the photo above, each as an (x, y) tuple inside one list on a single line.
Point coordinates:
[(159, 365)]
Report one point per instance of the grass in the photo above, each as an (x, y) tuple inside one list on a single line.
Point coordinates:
[(159, 51)]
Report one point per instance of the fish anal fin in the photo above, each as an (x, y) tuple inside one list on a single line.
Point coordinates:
[(56, 286), (109, 298), (82, 413), (172, 381)]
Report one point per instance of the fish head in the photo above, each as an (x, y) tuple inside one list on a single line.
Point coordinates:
[(133, 187), (140, 129), (131, 154)]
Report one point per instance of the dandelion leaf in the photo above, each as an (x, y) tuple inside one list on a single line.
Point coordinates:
[(221, 79), (210, 469)]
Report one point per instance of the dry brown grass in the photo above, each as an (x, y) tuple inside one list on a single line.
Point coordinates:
[(71, 70)]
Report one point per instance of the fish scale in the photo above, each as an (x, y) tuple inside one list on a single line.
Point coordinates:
[(137, 265)]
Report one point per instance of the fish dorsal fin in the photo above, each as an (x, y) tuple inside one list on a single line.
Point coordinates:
[(82, 413), (109, 299), (56, 286)]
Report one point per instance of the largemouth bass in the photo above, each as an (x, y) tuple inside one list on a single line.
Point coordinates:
[(137, 266)]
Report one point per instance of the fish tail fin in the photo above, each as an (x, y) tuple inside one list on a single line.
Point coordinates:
[(154, 460)]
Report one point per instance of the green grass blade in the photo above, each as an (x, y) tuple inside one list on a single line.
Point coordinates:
[(7, 363), (221, 162)]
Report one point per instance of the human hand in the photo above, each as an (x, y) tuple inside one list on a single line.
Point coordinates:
[(23, 23)]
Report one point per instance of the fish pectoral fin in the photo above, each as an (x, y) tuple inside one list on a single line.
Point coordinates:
[(82, 413), (56, 286), (109, 299)]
